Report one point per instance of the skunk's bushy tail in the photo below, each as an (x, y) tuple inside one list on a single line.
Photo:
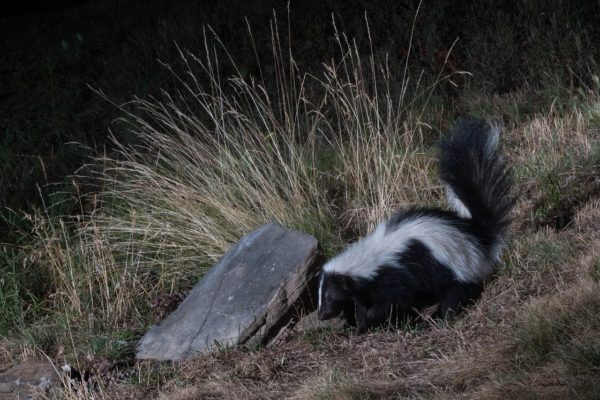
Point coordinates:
[(477, 180)]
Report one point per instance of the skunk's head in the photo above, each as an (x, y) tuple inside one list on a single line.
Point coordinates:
[(334, 294)]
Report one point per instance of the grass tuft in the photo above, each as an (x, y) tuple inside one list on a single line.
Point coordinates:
[(334, 385)]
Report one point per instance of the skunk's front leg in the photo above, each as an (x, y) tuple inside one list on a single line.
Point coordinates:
[(360, 313)]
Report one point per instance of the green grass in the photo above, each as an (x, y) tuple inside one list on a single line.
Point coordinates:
[(560, 337), (11, 296), (119, 347), (567, 186), (555, 328)]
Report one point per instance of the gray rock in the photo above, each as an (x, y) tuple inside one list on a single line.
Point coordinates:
[(28, 379), (244, 299)]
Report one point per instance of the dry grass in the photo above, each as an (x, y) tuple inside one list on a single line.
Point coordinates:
[(95, 286)]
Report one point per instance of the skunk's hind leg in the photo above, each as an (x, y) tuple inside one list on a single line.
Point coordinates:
[(458, 296)]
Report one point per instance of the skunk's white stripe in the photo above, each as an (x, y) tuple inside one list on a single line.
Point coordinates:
[(446, 243), (455, 203), (320, 290)]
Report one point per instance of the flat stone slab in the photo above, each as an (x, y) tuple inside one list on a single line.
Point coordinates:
[(246, 297), (28, 379)]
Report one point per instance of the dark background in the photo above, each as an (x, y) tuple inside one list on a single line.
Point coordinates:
[(55, 56)]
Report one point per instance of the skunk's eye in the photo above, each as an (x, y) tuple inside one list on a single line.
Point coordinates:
[(329, 298)]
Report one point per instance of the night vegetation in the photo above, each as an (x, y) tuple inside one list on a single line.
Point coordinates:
[(141, 139)]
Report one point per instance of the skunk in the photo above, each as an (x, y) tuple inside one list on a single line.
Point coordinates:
[(422, 257)]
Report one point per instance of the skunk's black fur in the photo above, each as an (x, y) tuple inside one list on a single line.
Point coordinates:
[(421, 257)]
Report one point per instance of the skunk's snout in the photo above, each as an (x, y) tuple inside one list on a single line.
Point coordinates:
[(321, 315), (325, 314)]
